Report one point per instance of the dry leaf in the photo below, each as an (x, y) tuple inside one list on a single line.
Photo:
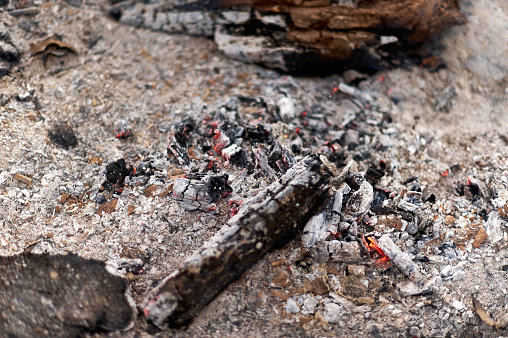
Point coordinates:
[(41, 46)]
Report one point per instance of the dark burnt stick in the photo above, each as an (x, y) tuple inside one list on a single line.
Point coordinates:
[(262, 222)]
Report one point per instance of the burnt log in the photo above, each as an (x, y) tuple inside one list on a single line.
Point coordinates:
[(301, 35), (261, 223)]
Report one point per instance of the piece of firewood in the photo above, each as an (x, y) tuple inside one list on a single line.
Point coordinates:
[(299, 35), (262, 222), (62, 296)]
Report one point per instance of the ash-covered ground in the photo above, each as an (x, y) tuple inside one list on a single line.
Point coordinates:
[(433, 145)]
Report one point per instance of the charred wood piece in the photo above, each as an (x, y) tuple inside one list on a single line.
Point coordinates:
[(258, 134), (115, 173), (63, 136), (361, 198), (180, 140), (233, 131), (262, 221), (236, 155), (61, 296), (200, 191), (325, 223), (400, 259), (262, 160), (344, 206), (280, 158), (295, 35)]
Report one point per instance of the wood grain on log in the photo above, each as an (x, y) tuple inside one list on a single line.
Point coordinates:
[(262, 222)]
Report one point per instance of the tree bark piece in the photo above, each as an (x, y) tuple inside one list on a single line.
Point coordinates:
[(262, 222)]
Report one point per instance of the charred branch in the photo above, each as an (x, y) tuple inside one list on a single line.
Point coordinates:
[(262, 222)]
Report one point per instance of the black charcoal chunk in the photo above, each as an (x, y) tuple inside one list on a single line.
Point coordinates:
[(236, 155), (373, 175), (61, 296), (258, 134), (286, 161), (182, 132), (181, 139), (275, 154), (63, 136), (116, 171), (430, 198), (455, 168), (144, 169), (280, 158), (232, 130), (458, 188)]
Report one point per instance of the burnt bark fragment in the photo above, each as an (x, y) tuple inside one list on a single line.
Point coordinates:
[(61, 296), (262, 222)]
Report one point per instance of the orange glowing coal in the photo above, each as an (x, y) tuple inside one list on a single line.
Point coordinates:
[(373, 247)]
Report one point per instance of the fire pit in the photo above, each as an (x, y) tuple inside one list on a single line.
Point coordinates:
[(223, 198)]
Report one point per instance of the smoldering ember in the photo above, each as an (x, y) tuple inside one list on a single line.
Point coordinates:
[(253, 168)]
